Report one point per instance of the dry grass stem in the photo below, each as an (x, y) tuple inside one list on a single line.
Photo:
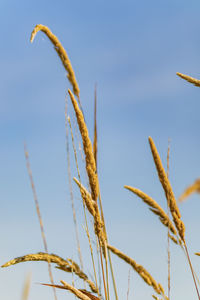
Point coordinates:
[(70, 188), (86, 196), (94, 210), (95, 126), (38, 213), (62, 264), (194, 188), (87, 201), (176, 240), (144, 274), (168, 191), (92, 297), (87, 145), (154, 207), (128, 289), (168, 234), (192, 80), (26, 288), (61, 53), (70, 288)]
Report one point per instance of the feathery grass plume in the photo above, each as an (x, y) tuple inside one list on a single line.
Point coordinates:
[(87, 145), (154, 207), (194, 188), (95, 126), (86, 197), (94, 210), (175, 240), (92, 297), (168, 191), (70, 288), (61, 53), (140, 270), (26, 288), (62, 264), (192, 80)]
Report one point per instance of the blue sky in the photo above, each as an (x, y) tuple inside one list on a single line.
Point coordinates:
[(132, 50)]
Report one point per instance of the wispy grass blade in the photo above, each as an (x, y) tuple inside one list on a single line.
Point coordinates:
[(38, 213)]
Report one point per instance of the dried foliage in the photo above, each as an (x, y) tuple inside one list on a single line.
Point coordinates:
[(90, 197), (194, 188)]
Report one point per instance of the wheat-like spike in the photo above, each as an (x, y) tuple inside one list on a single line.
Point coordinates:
[(61, 52), (155, 297), (62, 264), (94, 210), (195, 187), (87, 145), (192, 80), (92, 297), (174, 239), (86, 196), (40, 256), (168, 191), (139, 269), (70, 288), (154, 207)]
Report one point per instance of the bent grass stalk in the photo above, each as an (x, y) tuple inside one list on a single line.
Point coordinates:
[(142, 272), (61, 53), (67, 265), (154, 207)]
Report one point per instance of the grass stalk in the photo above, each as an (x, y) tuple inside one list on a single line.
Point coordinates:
[(168, 237), (39, 214), (192, 271), (71, 190)]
